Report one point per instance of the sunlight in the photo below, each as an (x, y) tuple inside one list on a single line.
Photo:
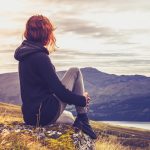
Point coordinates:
[(99, 29), (11, 6), (122, 20)]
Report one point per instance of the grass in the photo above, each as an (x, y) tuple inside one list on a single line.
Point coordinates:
[(121, 138), (110, 137), (110, 145), (9, 113)]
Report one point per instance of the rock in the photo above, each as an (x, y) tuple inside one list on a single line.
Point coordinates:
[(55, 131), (83, 141), (18, 130), (40, 135), (53, 134)]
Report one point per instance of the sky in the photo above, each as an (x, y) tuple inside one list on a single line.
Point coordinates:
[(110, 35)]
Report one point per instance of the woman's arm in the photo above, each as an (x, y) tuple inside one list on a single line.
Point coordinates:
[(46, 71)]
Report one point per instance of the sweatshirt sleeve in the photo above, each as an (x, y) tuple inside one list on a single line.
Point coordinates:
[(47, 72)]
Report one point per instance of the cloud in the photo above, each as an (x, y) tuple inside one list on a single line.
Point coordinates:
[(72, 55), (116, 5), (82, 27), (67, 16), (85, 28), (138, 62), (9, 32), (6, 51)]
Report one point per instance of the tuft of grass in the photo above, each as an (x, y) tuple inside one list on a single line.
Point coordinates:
[(64, 142), (19, 141), (10, 113), (110, 145)]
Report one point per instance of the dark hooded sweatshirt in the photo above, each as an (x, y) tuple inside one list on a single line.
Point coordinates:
[(40, 86)]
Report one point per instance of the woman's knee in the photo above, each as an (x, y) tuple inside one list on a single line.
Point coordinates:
[(74, 69)]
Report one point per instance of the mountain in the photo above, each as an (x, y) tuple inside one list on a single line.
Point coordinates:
[(114, 97)]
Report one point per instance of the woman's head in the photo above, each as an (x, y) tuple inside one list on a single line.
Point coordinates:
[(40, 29)]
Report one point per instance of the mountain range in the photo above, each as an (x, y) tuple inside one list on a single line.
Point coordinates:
[(113, 97)]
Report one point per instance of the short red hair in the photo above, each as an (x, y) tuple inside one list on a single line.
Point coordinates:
[(40, 29)]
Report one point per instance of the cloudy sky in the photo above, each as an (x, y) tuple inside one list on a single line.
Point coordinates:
[(110, 35)]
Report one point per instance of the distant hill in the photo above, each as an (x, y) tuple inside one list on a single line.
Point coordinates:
[(114, 97)]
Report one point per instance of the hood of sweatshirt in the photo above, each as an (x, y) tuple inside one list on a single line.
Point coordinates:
[(27, 48)]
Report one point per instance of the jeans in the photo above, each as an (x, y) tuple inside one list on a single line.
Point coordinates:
[(73, 81)]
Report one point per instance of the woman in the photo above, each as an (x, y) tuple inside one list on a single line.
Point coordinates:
[(44, 96)]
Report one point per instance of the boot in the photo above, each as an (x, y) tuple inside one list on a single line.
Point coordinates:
[(82, 122)]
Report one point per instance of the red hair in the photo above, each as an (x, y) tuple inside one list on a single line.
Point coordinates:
[(40, 29)]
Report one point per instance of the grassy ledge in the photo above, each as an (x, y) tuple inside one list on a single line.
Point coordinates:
[(14, 135)]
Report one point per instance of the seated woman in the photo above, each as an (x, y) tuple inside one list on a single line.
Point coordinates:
[(44, 96)]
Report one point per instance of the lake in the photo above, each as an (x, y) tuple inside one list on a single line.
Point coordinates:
[(142, 125)]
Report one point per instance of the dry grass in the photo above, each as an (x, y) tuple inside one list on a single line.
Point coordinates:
[(111, 137), (9, 113), (17, 141), (8, 119), (110, 145), (121, 138), (25, 141)]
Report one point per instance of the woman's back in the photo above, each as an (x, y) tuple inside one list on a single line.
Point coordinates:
[(32, 85), (34, 89)]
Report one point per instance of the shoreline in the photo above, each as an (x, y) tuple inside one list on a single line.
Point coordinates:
[(130, 124)]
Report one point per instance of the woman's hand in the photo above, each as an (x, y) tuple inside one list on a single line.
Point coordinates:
[(87, 98)]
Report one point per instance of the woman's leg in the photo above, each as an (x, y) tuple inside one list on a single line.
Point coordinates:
[(73, 80)]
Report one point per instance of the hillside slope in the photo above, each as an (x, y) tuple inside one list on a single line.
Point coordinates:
[(14, 134), (125, 97)]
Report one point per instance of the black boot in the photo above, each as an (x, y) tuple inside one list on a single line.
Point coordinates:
[(82, 122)]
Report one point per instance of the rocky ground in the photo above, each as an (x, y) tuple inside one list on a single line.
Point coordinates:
[(15, 135), (72, 138)]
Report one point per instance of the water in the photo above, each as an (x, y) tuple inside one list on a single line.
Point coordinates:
[(142, 125)]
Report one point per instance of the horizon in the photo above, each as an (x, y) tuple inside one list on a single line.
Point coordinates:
[(109, 35), (90, 68)]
